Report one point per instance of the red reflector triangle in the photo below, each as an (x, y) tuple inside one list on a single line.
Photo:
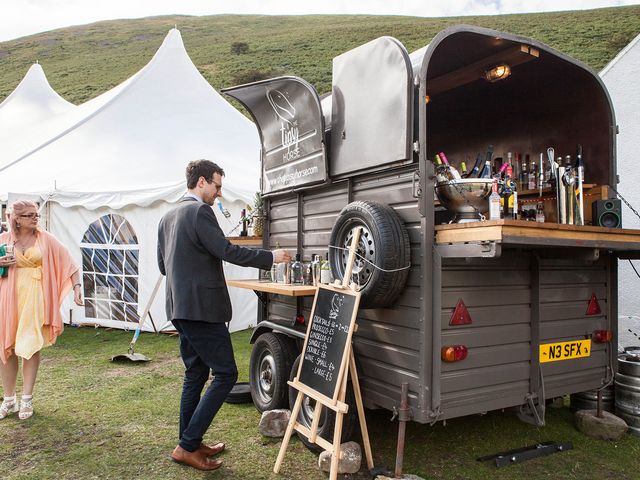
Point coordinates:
[(594, 306), (460, 315)]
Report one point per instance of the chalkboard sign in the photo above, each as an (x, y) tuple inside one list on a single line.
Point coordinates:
[(328, 334)]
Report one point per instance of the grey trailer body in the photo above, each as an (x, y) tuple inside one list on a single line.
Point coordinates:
[(388, 114)]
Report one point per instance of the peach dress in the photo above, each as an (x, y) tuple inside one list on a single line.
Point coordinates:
[(31, 337)]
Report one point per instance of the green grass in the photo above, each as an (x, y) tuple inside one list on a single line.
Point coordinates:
[(84, 61), (97, 419)]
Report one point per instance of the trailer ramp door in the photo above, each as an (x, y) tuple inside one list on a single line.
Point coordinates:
[(289, 118)]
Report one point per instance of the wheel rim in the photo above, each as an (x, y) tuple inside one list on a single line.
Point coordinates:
[(307, 411), (266, 373), (366, 253)]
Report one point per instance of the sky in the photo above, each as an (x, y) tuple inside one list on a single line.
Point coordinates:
[(26, 17)]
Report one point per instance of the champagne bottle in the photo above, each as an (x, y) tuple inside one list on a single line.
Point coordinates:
[(494, 202), (486, 170), (441, 173), (463, 169), (453, 172), (476, 167)]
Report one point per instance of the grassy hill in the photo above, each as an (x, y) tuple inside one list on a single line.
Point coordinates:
[(84, 61)]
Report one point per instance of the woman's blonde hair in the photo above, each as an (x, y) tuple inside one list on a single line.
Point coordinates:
[(16, 209)]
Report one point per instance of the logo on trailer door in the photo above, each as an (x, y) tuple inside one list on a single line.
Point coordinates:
[(289, 132)]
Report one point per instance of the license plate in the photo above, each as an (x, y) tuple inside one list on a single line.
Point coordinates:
[(552, 352)]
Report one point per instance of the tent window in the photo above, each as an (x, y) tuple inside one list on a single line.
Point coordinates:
[(110, 257)]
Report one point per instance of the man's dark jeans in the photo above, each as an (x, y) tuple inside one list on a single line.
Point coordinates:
[(203, 347)]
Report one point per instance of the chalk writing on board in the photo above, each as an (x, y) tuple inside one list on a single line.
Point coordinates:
[(330, 326)]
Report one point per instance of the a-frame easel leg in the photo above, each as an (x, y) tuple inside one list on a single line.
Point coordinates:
[(289, 432), (360, 407)]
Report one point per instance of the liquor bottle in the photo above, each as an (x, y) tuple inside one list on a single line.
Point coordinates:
[(486, 170), (510, 159), (540, 212), (245, 221), (307, 273), (476, 167), (325, 271), (524, 175), (450, 168), (297, 277), (547, 170), (541, 174), (511, 196), (533, 176), (494, 202)]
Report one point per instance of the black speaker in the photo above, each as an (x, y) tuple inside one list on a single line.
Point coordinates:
[(607, 213)]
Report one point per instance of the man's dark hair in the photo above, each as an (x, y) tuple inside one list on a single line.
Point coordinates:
[(201, 168)]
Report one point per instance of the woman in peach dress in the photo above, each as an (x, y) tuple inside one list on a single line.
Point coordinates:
[(41, 273)]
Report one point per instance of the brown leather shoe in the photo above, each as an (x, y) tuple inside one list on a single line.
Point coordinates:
[(210, 450), (195, 459)]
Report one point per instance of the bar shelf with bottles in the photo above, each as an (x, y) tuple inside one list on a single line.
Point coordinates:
[(542, 187)]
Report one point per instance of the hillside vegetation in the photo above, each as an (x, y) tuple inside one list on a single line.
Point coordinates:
[(84, 61)]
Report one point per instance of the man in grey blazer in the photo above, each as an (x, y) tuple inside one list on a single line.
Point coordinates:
[(191, 248)]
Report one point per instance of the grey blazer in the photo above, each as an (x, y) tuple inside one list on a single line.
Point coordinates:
[(191, 248)]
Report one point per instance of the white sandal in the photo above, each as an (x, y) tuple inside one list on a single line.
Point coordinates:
[(26, 409), (7, 408)]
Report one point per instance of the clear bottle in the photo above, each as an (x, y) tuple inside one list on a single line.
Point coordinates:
[(325, 271), (540, 212), (494, 202), (297, 277), (533, 176)]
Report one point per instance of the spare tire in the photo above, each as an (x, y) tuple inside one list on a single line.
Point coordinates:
[(384, 242)]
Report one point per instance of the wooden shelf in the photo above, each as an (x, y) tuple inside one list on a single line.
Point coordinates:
[(277, 288), (520, 232), (246, 241)]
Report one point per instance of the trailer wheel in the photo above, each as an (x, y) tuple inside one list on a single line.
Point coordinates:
[(384, 242), (328, 419), (269, 366)]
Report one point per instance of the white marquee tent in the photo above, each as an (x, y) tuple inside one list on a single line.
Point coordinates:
[(622, 76), (110, 168)]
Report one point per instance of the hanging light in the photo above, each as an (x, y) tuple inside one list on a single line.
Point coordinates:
[(499, 72)]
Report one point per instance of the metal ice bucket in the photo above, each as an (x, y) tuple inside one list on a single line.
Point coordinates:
[(468, 198)]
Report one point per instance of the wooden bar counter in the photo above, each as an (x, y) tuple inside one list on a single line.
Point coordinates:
[(277, 288), (520, 232)]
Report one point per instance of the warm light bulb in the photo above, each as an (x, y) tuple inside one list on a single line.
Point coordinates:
[(499, 72)]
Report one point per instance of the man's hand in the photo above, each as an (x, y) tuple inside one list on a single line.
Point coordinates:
[(281, 256)]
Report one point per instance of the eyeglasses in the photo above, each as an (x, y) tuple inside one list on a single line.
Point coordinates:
[(31, 215)]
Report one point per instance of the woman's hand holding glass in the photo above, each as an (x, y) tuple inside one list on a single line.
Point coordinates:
[(9, 259)]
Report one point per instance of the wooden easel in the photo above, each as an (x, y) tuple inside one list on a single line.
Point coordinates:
[(337, 403)]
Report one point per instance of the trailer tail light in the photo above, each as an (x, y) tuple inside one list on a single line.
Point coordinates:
[(300, 319), (602, 336), (594, 306), (453, 353)]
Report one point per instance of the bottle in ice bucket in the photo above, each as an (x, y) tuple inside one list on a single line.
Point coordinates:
[(325, 271), (296, 271)]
